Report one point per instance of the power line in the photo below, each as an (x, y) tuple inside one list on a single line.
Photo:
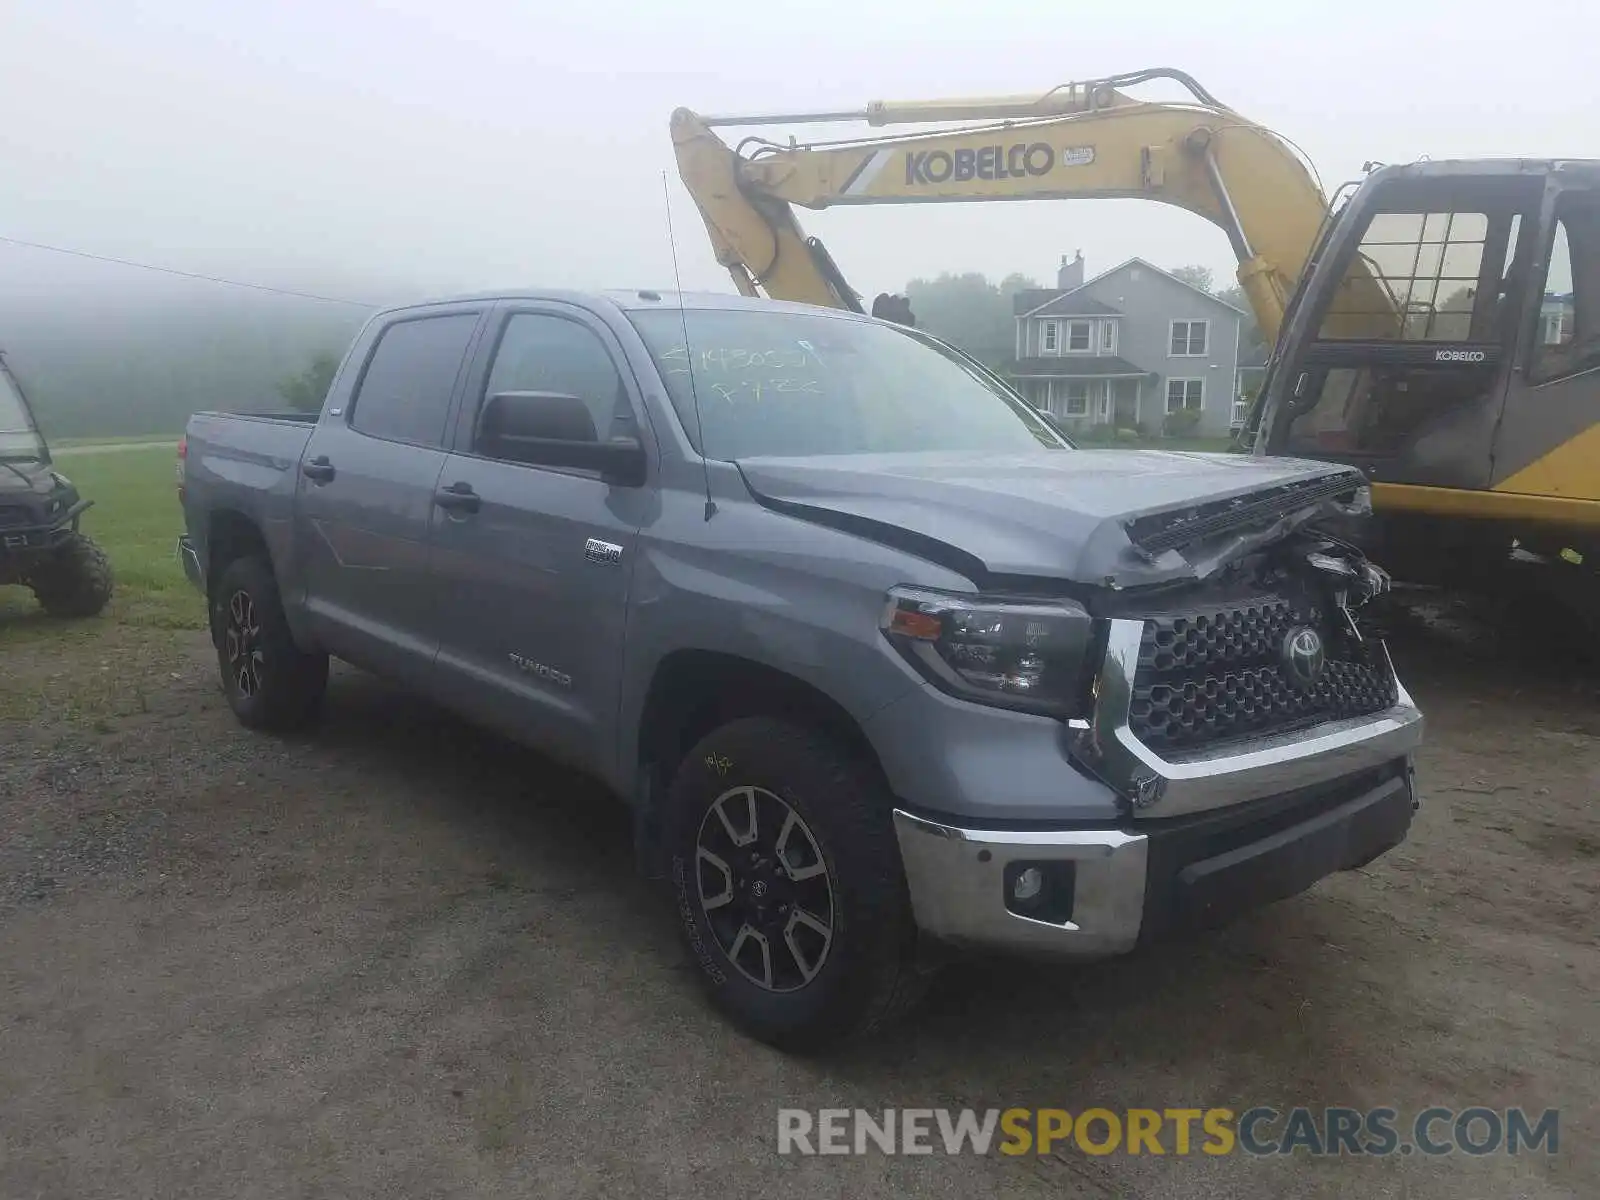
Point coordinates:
[(238, 283)]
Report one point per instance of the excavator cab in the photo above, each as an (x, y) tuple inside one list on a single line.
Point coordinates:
[(1445, 338)]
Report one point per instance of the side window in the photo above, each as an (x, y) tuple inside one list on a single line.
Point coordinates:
[(404, 395), (1568, 334), (1188, 339), (540, 353), (1414, 278)]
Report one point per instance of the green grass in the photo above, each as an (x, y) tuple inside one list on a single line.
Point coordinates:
[(57, 445), (136, 519)]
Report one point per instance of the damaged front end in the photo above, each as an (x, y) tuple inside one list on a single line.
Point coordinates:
[(1253, 680), (1202, 539)]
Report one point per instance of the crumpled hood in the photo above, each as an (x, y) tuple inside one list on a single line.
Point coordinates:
[(1109, 517)]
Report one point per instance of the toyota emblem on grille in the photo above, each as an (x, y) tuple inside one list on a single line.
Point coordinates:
[(1303, 658)]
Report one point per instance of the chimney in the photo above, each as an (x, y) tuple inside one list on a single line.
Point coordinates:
[(1070, 274)]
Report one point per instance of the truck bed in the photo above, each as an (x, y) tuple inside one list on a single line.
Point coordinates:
[(245, 463)]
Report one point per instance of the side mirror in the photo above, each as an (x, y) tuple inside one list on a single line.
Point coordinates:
[(554, 429)]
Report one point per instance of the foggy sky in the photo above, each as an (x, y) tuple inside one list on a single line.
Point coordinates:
[(413, 146)]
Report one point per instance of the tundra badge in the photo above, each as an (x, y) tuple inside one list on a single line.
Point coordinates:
[(539, 671), (602, 552)]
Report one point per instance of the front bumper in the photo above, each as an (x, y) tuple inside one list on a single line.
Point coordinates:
[(44, 537), (1142, 881)]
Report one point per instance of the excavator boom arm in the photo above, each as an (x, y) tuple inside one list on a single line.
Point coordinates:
[(1078, 141)]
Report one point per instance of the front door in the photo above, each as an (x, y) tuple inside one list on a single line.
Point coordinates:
[(535, 570), (365, 497), (1125, 402)]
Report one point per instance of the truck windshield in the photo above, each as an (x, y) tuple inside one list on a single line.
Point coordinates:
[(19, 441), (776, 382)]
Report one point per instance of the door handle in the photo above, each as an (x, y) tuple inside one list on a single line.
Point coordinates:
[(458, 497), (318, 470)]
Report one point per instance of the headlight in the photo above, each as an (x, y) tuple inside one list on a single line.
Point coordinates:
[(1032, 655)]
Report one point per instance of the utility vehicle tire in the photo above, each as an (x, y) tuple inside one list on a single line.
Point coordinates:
[(75, 581), (788, 884), (270, 682)]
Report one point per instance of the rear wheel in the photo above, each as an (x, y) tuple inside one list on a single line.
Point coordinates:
[(789, 888), (269, 681), (75, 581)]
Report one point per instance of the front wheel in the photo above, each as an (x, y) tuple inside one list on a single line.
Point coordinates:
[(75, 581), (269, 681), (788, 883)]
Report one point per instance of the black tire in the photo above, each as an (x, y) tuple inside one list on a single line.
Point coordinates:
[(864, 975), (76, 580), (270, 682)]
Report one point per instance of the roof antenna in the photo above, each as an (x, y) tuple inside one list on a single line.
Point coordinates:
[(688, 354)]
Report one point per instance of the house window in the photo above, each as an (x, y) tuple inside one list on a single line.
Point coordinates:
[(1108, 337), (1185, 393), (1078, 337), (1076, 393), (1049, 332), (1188, 339)]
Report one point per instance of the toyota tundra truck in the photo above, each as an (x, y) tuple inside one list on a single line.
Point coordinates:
[(884, 666)]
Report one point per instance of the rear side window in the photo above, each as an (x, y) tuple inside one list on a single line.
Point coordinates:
[(405, 392), (1569, 317)]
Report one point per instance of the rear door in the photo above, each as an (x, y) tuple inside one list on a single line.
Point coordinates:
[(534, 574), (365, 494)]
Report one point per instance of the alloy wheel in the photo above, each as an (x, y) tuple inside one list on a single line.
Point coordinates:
[(242, 644), (765, 888)]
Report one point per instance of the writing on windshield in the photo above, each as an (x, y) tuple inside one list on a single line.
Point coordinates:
[(741, 375), (753, 382)]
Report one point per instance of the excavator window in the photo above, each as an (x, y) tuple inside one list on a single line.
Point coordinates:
[(1414, 278), (1568, 332)]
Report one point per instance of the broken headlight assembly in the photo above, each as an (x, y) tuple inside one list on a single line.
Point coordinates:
[(1033, 655)]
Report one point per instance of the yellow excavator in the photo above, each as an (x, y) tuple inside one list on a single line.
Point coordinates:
[(1436, 323)]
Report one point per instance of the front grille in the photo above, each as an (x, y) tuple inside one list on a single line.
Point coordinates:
[(12, 516), (1214, 674)]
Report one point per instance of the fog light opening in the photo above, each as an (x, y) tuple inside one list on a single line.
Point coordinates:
[(1041, 891)]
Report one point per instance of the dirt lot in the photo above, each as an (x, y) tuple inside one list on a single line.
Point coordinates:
[(403, 958)]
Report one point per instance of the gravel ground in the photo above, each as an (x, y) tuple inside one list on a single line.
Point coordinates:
[(404, 958)]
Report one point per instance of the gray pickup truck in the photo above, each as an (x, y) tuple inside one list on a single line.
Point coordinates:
[(882, 664)]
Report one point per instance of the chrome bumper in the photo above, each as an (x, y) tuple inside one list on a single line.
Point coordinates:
[(1127, 886), (191, 564), (957, 882), (1268, 766)]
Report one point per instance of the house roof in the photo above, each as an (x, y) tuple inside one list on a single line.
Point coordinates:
[(1076, 366), (1053, 297), (1028, 299), (1069, 304)]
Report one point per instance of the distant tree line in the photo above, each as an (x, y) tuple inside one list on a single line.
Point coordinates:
[(99, 366)]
